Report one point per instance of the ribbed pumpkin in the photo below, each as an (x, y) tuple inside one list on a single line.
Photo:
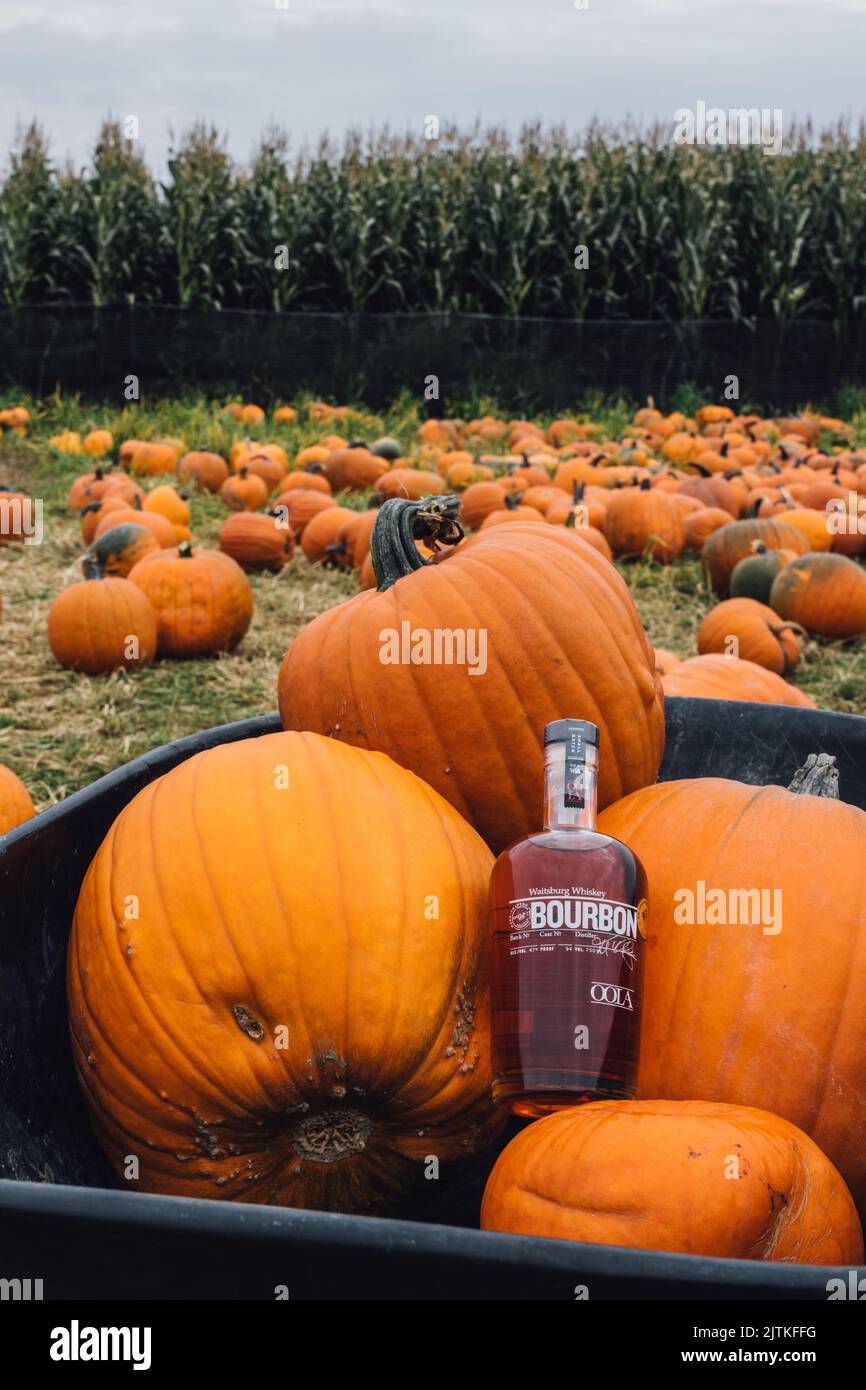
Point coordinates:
[(478, 501), (89, 487), (700, 525), (715, 677), (312, 482), (715, 492), (159, 526), (732, 1013), (205, 470), (826, 594), (151, 459), (118, 548), (560, 632), (168, 502), (758, 635), (244, 491), (689, 1176), (98, 443), (812, 524), (353, 469), (287, 1018), (257, 542), (16, 803), (409, 482), (101, 625), (731, 544), (513, 510), (95, 512), (202, 598), (262, 465), (640, 522), (322, 532), (300, 505)]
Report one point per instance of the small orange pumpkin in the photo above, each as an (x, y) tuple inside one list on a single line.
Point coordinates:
[(101, 625), (244, 491), (748, 629), (16, 803), (257, 542), (825, 594), (202, 598), (207, 471)]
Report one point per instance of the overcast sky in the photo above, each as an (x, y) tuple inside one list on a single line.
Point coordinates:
[(329, 64)]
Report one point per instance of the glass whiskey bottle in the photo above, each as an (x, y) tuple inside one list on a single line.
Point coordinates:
[(568, 921)]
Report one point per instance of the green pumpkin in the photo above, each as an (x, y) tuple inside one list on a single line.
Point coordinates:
[(753, 577), (387, 448)]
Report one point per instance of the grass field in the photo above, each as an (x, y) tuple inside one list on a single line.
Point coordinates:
[(59, 730)]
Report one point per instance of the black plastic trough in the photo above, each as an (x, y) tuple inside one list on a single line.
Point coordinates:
[(63, 1220)]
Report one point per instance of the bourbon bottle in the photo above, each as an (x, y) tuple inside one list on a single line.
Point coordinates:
[(568, 921)]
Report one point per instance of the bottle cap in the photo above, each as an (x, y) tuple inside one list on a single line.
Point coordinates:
[(575, 733)]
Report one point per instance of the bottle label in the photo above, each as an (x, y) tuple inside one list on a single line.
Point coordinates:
[(574, 783), (579, 922)]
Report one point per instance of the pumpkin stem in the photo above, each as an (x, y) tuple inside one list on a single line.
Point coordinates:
[(819, 776), (400, 523), (184, 550)]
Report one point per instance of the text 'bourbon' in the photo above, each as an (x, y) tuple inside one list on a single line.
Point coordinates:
[(568, 921)]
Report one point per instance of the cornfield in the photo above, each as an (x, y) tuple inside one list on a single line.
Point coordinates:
[(468, 223)]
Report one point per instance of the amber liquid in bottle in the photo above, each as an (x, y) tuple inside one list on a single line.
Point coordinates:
[(568, 922)]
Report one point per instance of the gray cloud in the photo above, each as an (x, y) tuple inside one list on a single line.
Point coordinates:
[(318, 66)]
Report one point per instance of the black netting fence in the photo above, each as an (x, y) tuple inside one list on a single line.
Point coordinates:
[(541, 364)]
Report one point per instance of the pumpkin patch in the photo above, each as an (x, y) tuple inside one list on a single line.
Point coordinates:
[(300, 1013)]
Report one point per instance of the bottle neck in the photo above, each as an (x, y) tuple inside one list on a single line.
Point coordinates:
[(570, 789)]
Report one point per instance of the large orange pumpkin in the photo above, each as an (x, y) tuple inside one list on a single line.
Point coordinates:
[(202, 598), (285, 1017), (689, 1176), (16, 804), (752, 1014), (826, 594), (557, 629)]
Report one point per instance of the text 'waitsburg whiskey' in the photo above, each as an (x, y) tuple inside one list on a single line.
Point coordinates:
[(568, 921)]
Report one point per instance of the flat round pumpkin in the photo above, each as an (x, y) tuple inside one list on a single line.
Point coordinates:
[(291, 1012), (689, 1176)]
